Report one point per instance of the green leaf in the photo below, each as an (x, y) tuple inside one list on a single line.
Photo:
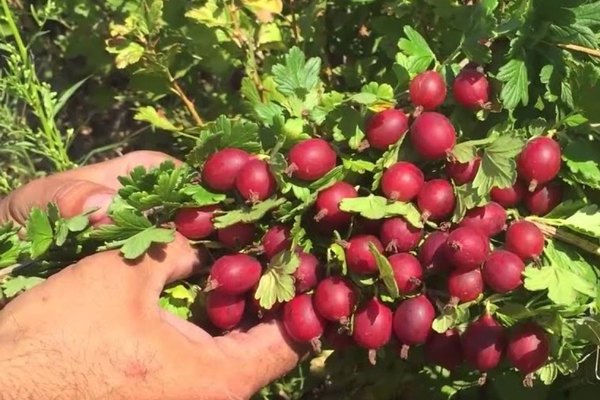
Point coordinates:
[(567, 277), (150, 115), (65, 96), (377, 207), (358, 165), (467, 197), (335, 175), (14, 285), (548, 373), (297, 76), (77, 223), (516, 83), (277, 284), (451, 317), (464, 152), (585, 221), (128, 52), (210, 14), (39, 232), (202, 197), (388, 158), (588, 329), (376, 96), (246, 214), (510, 313), (582, 157), (498, 167), (139, 243), (386, 273), (178, 300), (337, 254), (419, 55)]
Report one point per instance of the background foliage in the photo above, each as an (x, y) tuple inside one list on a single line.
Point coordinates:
[(84, 80)]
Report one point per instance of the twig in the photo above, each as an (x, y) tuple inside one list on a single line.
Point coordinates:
[(188, 103), (570, 238), (581, 49)]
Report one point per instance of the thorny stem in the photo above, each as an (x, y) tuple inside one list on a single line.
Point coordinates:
[(581, 49), (570, 238), (187, 102), (250, 49)]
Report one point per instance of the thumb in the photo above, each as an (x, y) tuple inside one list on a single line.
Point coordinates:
[(72, 196)]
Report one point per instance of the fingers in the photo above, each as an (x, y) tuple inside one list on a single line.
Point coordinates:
[(71, 196), (78, 190), (164, 264), (266, 345), (107, 172)]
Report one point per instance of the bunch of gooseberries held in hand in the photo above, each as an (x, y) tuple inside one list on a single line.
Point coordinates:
[(432, 269)]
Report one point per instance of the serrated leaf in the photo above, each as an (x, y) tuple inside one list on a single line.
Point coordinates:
[(464, 152), (377, 207), (498, 167), (14, 285), (386, 273), (77, 223), (583, 160), (585, 221), (202, 197), (297, 76), (39, 232), (548, 373), (357, 165), (128, 52), (335, 175), (141, 242), (246, 214), (276, 285), (210, 14), (150, 115), (516, 83), (419, 54)]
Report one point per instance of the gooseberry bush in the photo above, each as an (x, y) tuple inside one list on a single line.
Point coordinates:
[(415, 200)]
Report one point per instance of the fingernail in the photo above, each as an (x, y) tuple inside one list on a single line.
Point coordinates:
[(99, 202)]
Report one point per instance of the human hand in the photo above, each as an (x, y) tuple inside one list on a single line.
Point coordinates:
[(95, 330)]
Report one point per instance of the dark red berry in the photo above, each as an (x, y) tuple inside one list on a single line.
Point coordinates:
[(544, 199), (225, 311), (471, 89), (503, 271), (539, 161), (444, 349), (234, 274), (433, 136), (428, 90), (483, 343), (386, 128), (306, 275), (467, 248), (255, 182), (236, 236), (311, 159), (276, 240), (509, 197), (525, 239), (528, 348), (465, 286), (328, 202), (432, 253), (372, 326), (413, 319), (359, 257), (407, 272), (489, 219), (398, 236), (436, 200), (195, 223), (462, 173), (221, 169), (402, 181), (335, 299), (301, 321)]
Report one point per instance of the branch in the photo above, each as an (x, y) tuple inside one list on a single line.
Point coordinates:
[(581, 49), (570, 238), (188, 103)]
